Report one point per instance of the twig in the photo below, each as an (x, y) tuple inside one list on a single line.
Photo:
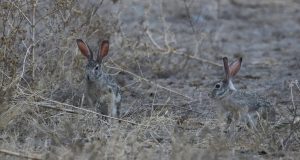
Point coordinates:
[(187, 10), (23, 14), (24, 61), (293, 127), (153, 41), (198, 59), (5, 74), (44, 16), (27, 155), (174, 51), (85, 110), (150, 82), (181, 106), (33, 37), (54, 107)]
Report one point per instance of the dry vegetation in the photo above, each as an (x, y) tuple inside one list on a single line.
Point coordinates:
[(166, 56)]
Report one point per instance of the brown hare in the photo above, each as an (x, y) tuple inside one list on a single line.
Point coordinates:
[(102, 91), (239, 105)]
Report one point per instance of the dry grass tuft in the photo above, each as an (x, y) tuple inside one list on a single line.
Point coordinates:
[(166, 113)]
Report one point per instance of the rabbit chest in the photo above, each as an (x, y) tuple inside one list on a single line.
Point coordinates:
[(98, 92)]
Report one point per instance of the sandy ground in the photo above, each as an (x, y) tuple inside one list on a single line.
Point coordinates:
[(167, 57)]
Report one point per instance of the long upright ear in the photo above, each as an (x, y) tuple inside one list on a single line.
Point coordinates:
[(84, 49), (103, 50), (227, 71), (235, 67)]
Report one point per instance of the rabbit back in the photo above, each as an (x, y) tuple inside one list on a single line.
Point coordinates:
[(242, 100)]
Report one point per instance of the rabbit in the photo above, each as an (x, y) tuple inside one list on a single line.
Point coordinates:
[(238, 105), (102, 91)]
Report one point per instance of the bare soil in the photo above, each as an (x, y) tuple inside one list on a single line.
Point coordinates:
[(166, 56)]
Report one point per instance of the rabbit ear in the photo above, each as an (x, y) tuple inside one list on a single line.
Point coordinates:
[(84, 49), (235, 67), (103, 50), (227, 71)]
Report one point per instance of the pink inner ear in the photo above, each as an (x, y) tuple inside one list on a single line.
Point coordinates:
[(83, 48), (104, 48), (235, 67)]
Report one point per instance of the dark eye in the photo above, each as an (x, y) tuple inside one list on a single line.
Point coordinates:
[(96, 68), (218, 86)]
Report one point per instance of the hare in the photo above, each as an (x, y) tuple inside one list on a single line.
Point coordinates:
[(238, 105), (102, 91)]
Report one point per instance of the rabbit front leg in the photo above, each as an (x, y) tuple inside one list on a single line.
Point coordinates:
[(228, 116), (225, 119), (115, 104), (110, 106), (102, 109), (92, 103), (89, 100), (252, 119), (104, 105)]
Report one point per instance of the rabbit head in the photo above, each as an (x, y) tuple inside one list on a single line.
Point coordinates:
[(93, 67), (225, 87)]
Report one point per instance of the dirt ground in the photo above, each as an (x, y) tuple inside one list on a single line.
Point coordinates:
[(167, 56)]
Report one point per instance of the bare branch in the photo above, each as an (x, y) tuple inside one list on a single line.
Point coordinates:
[(22, 155)]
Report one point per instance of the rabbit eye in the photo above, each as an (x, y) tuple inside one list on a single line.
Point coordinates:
[(218, 86), (96, 68)]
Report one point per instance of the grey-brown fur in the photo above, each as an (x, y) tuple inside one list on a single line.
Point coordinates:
[(101, 89), (237, 104)]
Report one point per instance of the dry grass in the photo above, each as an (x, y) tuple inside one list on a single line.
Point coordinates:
[(42, 110)]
